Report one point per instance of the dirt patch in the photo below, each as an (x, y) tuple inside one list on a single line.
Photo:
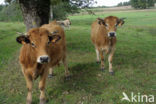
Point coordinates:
[(114, 9)]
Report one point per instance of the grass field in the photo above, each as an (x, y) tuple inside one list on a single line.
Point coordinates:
[(134, 64)]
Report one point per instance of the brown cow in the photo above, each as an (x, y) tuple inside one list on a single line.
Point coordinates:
[(103, 36), (54, 27), (65, 23), (40, 51)]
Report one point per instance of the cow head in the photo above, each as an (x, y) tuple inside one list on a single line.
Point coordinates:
[(111, 23), (69, 21), (39, 40)]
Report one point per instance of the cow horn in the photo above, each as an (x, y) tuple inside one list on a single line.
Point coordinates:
[(100, 19), (19, 33)]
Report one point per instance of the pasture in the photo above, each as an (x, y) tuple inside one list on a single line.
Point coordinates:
[(134, 63)]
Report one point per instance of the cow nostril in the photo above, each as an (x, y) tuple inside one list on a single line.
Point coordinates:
[(112, 34), (44, 59)]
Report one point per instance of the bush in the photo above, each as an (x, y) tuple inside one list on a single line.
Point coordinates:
[(61, 10), (142, 4), (11, 12)]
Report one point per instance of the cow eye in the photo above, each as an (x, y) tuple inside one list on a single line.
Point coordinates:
[(32, 44)]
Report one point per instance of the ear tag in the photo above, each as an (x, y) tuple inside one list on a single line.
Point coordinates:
[(23, 42)]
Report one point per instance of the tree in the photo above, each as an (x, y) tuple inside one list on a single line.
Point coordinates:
[(124, 3), (11, 12), (1, 7), (142, 4), (120, 4), (35, 12), (134, 3), (150, 3), (61, 8)]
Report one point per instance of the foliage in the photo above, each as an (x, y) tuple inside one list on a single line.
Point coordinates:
[(124, 3), (82, 3), (8, 1), (142, 4), (1, 7), (62, 9), (11, 12)]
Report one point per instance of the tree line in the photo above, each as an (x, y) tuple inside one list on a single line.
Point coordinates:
[(142, 4), (124, 3), (35, 13), (138, 4)]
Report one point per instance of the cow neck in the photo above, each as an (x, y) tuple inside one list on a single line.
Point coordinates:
[(37, 71), (104, 30)]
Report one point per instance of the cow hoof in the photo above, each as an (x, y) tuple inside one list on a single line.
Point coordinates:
[(68, 77), (28, 102), (50, 76), (97, 62), (42, 101), (102, 69), (111, 73)]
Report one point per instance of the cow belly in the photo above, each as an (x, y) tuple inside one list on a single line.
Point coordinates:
[(104, 48)]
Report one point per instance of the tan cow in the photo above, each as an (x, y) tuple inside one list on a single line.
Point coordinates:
[(54, 27), (65, 23), (40, 51), (103, 36)]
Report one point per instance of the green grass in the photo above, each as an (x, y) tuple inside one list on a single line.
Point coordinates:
[(134, 64), (8, 45)]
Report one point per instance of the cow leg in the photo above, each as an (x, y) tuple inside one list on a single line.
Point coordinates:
[(50, 72), (110, 58), (29, 84), (102, 60), (97, 56), (67, 74), (67, 26), (42, 86)]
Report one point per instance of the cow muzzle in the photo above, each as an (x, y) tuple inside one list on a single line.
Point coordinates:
[(111, 34), (43, 59)]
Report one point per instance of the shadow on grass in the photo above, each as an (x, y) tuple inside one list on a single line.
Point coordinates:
[(84, 79)]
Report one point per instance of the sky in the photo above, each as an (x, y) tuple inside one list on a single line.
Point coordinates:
[(1, 1), (108, 2), (99, 2)]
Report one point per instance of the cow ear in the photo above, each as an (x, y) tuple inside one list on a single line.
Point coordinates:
[(120, 21), (54, 38), (23, 39), (101, 21)]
